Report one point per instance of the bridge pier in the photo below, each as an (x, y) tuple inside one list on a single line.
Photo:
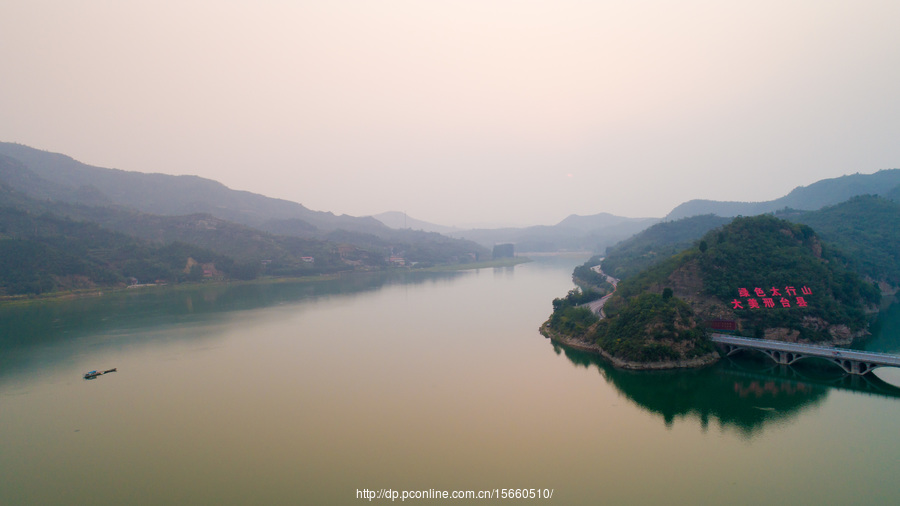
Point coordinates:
[(861, 367), (853, 362), (777, 356), (853, 366), (783, 357)]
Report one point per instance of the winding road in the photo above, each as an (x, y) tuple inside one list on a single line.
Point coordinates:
[(597, 305)]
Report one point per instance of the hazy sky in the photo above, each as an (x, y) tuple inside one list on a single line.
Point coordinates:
[(506, 111)]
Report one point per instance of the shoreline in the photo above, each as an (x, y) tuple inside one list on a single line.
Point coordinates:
[(502, 262), (597, 307), (102, 290), (570, 342), (99, 291)]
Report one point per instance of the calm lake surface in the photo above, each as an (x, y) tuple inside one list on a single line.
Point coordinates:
[(306, 393)]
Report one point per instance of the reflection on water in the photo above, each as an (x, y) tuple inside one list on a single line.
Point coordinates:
[(34, 325), (739, 393), (303, 393), (721, 392), (885, 332)]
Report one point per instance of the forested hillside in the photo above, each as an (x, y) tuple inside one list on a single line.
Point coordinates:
[(770, 277), (59, 230), (867, 229), (893, 195), (656, 244), (753, 270), (45, 253)]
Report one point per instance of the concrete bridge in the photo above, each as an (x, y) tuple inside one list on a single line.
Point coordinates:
[(851, 361)]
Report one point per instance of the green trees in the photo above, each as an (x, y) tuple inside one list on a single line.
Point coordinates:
[(570, 319), (763, 272), (766, 252), (44, 253), (867, 229), (656, 244), (24, 269), (651, 327)]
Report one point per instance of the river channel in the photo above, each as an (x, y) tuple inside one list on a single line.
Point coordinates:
[(311, 393)]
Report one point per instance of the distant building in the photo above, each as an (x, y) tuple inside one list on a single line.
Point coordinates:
[(507, 250), (209, 270), (344, 250)]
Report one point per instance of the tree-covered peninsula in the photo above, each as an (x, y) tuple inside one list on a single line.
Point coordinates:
[(760, 276)]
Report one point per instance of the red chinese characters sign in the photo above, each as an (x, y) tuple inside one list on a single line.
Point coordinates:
[(773, 297)]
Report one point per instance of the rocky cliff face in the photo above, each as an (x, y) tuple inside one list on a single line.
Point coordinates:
[(687, 284)]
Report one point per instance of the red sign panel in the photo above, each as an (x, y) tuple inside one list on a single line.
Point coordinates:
[(722, 324)]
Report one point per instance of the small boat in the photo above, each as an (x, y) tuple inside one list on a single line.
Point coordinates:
[(93, 374)]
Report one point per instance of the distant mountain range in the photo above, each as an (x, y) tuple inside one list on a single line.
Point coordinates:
[(57, 178), (575, 233), (399, 220), (45, 175), (67, 225), (597, 232), (808, 198)]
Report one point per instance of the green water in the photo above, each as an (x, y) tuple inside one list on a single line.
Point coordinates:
[(306, 393)]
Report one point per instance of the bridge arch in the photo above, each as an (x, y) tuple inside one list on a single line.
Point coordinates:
[(851, 361)]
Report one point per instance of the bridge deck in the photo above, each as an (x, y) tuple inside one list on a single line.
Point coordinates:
[(841, 356)]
